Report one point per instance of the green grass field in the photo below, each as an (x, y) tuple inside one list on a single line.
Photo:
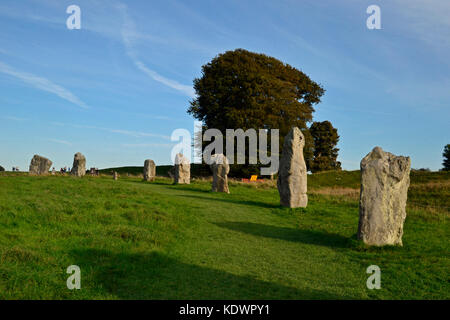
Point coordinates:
[(141, 240)]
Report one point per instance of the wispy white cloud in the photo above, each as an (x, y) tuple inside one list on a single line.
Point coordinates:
[(125, 32), (361, 110), (429, 20), (188, 90), (19, 12), (129, 35), (42, 84), (13, 118), (136, 134), (145, 145), (328, 54), (67, 143)]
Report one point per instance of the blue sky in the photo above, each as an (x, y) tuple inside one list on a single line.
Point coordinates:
[(116, 89)]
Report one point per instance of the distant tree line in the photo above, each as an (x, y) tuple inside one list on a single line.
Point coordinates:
[(446, 155)]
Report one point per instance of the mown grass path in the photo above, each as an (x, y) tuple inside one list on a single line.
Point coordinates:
[(139, 240)]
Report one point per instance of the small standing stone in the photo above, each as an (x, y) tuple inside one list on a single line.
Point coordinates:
[(220, 168), (39, 165), (182, 170), (382, 204), (79, 165), (292, 176), (149, 170), (115, 175)]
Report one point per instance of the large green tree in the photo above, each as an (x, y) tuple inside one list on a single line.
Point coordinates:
[(242, 89), (325, 152), (446, 155)]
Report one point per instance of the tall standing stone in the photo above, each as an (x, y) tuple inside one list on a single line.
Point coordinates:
[(149, 170), (39, 165), (182, 170), (382, 204), (220, 168), (292, 176), (115, 175), (79, 165)]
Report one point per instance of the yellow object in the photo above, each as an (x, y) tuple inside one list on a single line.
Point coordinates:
[(253, 178)]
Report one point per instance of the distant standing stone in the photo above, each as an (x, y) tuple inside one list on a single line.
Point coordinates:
[(149, 170), (220, 168), (292, 176), (182, 170), (382, 204), (2, 169), (39, 165), (79, 165), (115, 175)]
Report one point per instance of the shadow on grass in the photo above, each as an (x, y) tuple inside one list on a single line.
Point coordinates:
[(156, 276), (235, 201), (289, 234)]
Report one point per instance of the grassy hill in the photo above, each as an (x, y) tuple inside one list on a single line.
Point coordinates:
[(141, 240), (196, 170)]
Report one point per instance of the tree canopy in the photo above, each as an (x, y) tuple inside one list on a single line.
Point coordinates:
[(242, 89), (446, 155), (325, 152)]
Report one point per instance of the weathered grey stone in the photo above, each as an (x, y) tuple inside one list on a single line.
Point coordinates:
[(292, 176), (79, 165), (182, 170), (149, 170), (115, 175), (220, 168), (39, 165), (382, 204)]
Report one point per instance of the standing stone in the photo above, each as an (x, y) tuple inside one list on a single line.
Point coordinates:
[(171, 172), (2, 169), (182, 170), (292, 176), (149, 170), (115, 175), (382, 203), (220, 168), (39, 165), (79, 165)]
